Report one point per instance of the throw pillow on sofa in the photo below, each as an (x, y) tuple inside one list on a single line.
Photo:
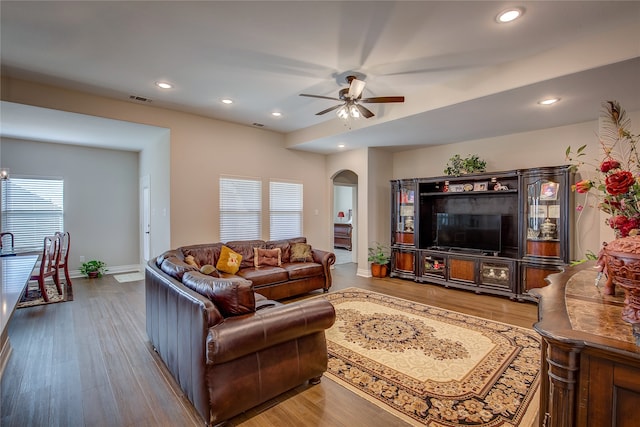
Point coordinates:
[(209, 270), (189, 259), (267, 257), (229, 261), (301, 252)]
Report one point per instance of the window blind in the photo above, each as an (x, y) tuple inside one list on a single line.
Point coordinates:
[(240, 209), (285, 211), (32, 209)]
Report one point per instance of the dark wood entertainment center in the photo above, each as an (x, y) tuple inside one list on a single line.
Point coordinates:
[(535, 208)]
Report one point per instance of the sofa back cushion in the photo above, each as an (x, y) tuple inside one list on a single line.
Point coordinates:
[(285, 246), (203, 254), (176, 267), (245, 248), (232, 297)]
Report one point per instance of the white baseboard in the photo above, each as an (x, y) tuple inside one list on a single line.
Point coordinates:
[(117, 269), (363, 272)]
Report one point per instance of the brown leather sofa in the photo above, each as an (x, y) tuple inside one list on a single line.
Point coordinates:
[(274, 282), (228, 347)]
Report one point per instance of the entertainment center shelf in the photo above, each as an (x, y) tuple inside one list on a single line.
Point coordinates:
[(498, 233)]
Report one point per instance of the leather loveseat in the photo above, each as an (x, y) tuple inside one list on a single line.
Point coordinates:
[(228, 347)]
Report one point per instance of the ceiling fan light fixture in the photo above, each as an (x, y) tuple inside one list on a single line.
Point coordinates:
[(354, 112), (509, 15), (342, 112)]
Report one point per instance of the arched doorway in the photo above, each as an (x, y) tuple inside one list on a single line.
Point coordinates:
[(345, 208)]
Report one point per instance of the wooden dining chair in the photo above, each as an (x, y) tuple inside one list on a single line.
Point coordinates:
[(6, 233), (50, 258), (63, 262)]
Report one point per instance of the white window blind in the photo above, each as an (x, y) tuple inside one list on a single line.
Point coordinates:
[(240, 209), (32, 209), (285, 210)]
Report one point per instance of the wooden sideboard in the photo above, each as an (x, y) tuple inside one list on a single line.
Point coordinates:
[(590, 356), (342, 235)]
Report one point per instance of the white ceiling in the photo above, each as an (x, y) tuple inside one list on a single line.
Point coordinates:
[(463, 75)]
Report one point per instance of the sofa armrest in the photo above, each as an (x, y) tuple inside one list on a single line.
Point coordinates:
[(327, 259), (237, 337)]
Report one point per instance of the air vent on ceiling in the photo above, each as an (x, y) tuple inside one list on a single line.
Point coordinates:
[(139, 98), (258, 125)]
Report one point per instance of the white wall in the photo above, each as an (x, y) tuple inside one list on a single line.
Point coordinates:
[(100, 196), (342, 201)]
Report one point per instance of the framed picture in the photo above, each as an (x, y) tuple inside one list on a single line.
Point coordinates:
[(549, 191), (480, 186), (456, 188)]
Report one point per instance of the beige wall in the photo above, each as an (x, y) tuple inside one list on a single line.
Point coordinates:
[(201, 149), (525, 150)]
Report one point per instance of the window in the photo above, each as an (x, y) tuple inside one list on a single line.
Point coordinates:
[(240, 209), (32, 209), (285, 210)]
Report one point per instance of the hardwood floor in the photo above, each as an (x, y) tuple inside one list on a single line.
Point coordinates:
[(89, 363)]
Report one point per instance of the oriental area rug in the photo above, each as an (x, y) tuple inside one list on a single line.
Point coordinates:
[(33, 297), (430, 366)]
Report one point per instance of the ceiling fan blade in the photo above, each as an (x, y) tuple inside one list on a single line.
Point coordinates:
[(364, 111), (382, 99), (320, 96), (355, 88), (335, 107)]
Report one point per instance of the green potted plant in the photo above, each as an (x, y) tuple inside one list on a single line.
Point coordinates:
[(457, 166), (379, 256), (93, 268)]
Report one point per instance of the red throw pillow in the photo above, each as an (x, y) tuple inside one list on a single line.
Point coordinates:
[(267, 257)]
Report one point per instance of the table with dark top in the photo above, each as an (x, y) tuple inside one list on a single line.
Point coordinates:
[(590, 358)]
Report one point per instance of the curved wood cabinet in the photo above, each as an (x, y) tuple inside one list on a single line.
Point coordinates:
[(590, 357)]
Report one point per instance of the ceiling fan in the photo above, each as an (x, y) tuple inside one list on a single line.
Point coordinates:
[(352, 100)]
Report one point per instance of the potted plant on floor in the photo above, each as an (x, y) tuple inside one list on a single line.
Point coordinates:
[(93, 268), (379, 256)]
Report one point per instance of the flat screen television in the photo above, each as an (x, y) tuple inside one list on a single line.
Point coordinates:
[(469, 231)]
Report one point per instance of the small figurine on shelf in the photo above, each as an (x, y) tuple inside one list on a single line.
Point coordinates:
[(445, 189), (500, 187)]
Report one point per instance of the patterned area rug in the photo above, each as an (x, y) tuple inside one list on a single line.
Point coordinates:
[(430, 366), (33, 297)]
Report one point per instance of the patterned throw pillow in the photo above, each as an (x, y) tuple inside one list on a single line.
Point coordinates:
[(264, 257), (209, 270), (301, 252), (229, 261)]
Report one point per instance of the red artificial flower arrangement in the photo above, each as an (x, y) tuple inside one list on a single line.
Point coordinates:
[(617, 181)]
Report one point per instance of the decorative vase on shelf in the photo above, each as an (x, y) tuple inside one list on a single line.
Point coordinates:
[(622, 260)]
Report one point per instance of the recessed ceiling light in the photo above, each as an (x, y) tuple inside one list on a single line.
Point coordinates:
[(276, 114), (227, 101), (164, 85), (340, 145), (509, 15), (548, 101)]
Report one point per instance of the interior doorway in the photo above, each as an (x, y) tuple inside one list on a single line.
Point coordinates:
[(345, 218)]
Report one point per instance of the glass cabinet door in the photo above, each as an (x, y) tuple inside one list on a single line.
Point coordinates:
[(547, 215), (403, 214)]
